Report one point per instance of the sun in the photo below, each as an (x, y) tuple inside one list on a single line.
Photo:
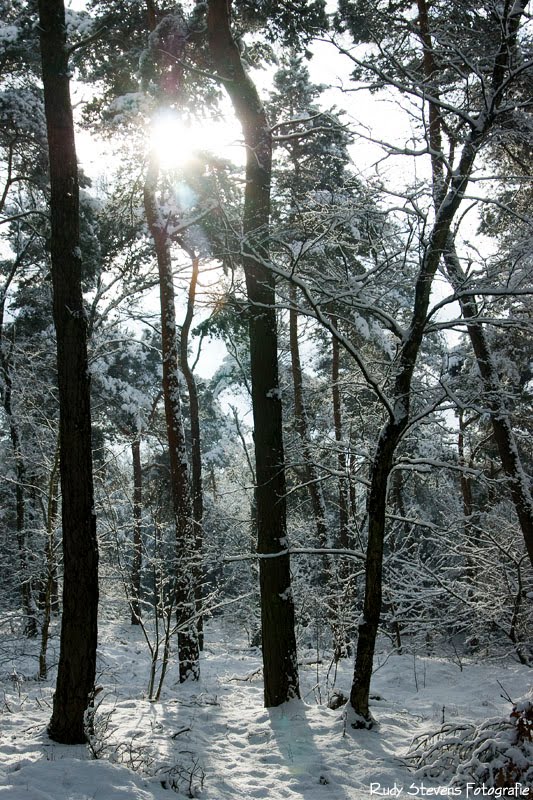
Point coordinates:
[(177, 141)]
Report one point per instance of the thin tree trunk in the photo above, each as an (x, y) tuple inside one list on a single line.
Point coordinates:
[(280, 664), (77, 660), (337, 423), (136, 568), (181, 498), (196, 449), (50, 575), (302, 427)]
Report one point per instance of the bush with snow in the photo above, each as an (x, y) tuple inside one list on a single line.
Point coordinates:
[(497, 753)]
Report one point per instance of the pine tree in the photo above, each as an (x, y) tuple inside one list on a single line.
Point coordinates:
[(77, 661), (277, 605)]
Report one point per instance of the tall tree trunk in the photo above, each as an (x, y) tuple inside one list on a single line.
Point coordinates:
[(196, 448), (280, 664), (337, 423), (136, 567), (181, 497), (302, 427), (77, 660)]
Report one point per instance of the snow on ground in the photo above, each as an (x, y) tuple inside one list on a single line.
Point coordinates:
[(215, 740)]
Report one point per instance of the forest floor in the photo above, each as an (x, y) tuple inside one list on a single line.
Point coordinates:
[(214, 739)]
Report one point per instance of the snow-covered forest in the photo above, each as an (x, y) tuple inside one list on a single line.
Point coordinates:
[(266, 521)]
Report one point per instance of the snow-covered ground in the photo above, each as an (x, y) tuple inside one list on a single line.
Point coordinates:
[(215, 740)]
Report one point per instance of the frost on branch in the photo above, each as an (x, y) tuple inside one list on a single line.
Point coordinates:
[(498, 753)]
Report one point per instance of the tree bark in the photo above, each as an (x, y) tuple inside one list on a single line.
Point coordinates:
[(280, 664), (77, 660), (181, 497)]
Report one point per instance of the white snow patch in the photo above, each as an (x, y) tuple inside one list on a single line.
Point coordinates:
[(216, 736), (74, 779)]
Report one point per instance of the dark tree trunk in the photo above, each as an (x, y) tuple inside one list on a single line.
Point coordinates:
[(343, 540), (302, 427), (277, 605), (368, 627), (77, 660), (136, 567), (181, 496), (196, 449)]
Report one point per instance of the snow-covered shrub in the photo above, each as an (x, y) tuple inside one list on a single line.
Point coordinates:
[(497, 753)]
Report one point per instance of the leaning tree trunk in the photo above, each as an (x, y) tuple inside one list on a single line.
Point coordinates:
[(393, 429), (181, 498), (448, 195), (77, 660), (277, 605), (501, 425), (196, 449)]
